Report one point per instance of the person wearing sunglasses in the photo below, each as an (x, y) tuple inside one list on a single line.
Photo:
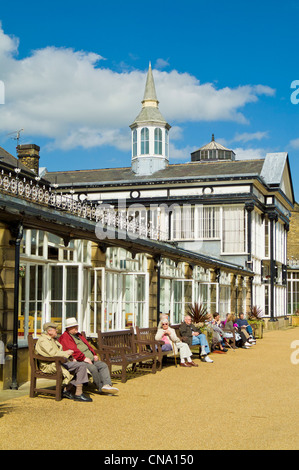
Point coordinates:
[(172, 342)]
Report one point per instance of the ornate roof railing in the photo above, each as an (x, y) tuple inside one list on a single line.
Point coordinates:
[(34, 190)]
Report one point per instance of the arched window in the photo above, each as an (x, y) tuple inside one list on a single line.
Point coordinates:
[(144, 141), (158, 141), (135, 143)]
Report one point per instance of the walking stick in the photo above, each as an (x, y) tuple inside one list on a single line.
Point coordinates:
[(174, 354), (227, 342)]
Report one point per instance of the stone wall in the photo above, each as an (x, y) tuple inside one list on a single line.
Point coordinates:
[(293, 234)]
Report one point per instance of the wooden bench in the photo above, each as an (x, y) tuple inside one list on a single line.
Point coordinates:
[(233, 339), (195, 348), (148, 335), (121, 348), (36, 373)]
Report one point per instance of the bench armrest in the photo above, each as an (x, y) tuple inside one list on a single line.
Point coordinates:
[(56, 359)]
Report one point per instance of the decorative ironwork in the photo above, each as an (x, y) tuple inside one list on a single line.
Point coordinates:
[(107, 215)]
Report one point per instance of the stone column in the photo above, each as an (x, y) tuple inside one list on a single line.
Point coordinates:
[(153, 288), (214, 278), (240, 307), (7, 266), (233, 294), (248, 281)]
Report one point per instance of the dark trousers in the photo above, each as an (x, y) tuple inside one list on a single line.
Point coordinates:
[(79, 370)]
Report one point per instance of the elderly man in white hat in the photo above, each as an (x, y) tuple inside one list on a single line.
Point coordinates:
[(74, 373), (83, 352)]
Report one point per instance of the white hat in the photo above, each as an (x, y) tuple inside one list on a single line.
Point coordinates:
[(69, 322)]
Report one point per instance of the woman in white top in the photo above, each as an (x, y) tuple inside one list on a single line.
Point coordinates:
[(172, 342)]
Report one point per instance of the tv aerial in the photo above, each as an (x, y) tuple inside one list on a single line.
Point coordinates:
[(16, 135)]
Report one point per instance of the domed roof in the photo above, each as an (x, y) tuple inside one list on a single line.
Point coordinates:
[(212, 151), (213, 145)]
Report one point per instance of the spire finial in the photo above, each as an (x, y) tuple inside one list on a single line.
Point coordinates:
[(150, 90), (213, 138)]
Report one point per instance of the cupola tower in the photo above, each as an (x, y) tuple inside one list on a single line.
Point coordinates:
[(150, 139)]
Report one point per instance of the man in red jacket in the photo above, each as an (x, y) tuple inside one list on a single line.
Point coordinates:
[(83, 352)]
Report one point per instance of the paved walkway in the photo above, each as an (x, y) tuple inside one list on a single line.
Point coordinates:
[(247, 399)]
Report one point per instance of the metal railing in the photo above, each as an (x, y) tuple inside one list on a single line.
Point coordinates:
[(32, 190)]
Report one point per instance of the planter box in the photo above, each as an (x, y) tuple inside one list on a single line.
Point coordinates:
[(258, 329), (295, 321)]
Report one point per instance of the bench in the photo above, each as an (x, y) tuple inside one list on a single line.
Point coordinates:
[(195, 348), (36, 373), (148, 335), (121, 348)]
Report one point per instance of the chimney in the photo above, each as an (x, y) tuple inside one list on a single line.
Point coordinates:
[(28, 155)]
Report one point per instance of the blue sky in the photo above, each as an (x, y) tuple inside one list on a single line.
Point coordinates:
[(74, 76)]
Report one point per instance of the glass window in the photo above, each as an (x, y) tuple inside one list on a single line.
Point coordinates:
[(134, 143), (183, 222), (63, 293), (31, 299), (224, 300), (95, 299), (266, 238), (166, 143), (144, 141), (233, 230), (208, 222), (158, 141)]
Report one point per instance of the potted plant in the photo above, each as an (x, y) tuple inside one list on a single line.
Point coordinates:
[(295, 318), (255, 318), (200, 317)]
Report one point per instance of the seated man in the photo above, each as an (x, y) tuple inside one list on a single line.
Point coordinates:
[(243, 325), (192, 335), (74, 373), (83, 352)]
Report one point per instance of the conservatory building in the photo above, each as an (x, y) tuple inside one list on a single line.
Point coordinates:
[(115, 247)]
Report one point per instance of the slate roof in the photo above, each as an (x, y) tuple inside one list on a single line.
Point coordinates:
[(6, 159), (196, 170)]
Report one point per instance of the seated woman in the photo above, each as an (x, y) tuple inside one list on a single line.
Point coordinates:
[(241, 339), (218, 343), (172, 342)]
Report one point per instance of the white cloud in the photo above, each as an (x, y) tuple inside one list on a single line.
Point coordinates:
[(294, 143), (68, 97), (161, 64), (249, 154), (182, 154), (246, 136)]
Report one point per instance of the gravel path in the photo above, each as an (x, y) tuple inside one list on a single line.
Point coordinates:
[(247, 399)]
